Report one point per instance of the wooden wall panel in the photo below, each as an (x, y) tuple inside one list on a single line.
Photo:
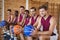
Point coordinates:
[(59, 26), (0, 17), (59, 22), (13, 5), (50, 1), (0, 9)]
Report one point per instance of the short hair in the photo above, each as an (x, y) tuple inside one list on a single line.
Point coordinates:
[(33, 8), (27, 11), (43, 6), (9, 10), (22, 7), (16, 13)]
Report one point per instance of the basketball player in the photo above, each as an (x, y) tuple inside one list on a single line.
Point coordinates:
[(14, 22), (9, 21), (27, 17), (10, 16), (15, 17), (33, 18), (21, 19), (46, 22)]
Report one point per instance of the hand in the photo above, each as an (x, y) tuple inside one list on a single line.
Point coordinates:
[(21, 29), (34, 32), (20, 23)]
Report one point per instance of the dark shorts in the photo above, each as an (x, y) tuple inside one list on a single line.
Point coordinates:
[(53, 34)]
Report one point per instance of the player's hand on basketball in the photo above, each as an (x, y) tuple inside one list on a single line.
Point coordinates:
[(20, 23), (21, 30), (34, 32)]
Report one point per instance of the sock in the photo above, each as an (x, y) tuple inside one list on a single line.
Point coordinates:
[(15, 38), (8, 32), (12, 36)]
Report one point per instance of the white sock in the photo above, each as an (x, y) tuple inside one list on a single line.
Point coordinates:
[(12, 35), (15, 38), (8, 32)]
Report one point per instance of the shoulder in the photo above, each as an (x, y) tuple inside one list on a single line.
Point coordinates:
[(39, 18), (19, 14), (11, 15), (53, 20)]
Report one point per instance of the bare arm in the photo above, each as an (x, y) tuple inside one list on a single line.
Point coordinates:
[(36, 23), (29, 22), (51, 28), (18, 18), (12, 17), (22, 22), (37, 27)]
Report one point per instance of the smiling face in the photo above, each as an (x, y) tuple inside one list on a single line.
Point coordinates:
[(22, 10), (8, 12), (42, 12), (32, 12), (26, 13)]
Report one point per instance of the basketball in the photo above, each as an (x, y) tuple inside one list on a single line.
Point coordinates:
[(28, 30), (3, 23), (17, 29)]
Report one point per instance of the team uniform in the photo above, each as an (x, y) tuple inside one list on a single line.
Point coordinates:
[(27, 20), (45, 27), (21, 18)]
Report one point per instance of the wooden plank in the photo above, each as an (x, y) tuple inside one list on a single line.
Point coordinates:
[(0, 0), (0, 8)]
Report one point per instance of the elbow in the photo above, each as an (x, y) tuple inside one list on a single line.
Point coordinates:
[(50, 33), (28, 24)]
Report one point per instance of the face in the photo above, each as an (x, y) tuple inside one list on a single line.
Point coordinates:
[(26, 13), (21, 10), (8, 12), (32, 12), (42, 12)]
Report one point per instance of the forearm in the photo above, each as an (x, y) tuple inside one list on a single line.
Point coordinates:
[(28, 23), (35, 25), (19, 22), (45, 33)]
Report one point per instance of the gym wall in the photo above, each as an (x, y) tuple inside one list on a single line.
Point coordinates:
[(13, 5), (0, 9)]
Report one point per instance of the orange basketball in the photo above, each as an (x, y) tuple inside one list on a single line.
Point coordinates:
[(17, 29)]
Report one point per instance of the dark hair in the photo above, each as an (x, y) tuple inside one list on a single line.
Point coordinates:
[(22, 7), (9, 10), (27, 11), (43, 6), (16, 13), (33, 8)]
